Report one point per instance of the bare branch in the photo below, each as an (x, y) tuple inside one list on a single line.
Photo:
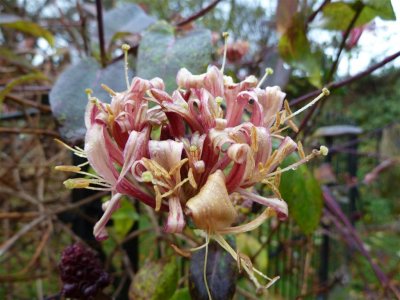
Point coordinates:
[(335, 85), (100, 27), (199, 14)]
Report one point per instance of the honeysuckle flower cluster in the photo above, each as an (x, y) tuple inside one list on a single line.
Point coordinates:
[(195, 154)]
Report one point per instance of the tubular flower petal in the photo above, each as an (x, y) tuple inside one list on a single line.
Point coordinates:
[(98, 154), (99, 231), (195, 153)]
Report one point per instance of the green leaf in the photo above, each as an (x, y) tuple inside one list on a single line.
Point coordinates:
[(68, 99), (295, 49), (124, 218), (382, 8), (338, 15), (301, 191), (249, 245), (125, 18), (221, 274), (155, 281), (285, 11), (28, 27), (162, 53), (37, 76), (181, 294)]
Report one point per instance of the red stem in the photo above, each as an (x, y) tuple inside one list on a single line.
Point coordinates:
[(199, 14), (335, 85)]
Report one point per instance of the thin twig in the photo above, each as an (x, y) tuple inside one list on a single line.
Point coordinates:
[(334, 208), (10, 242), (38, 251), (27, 102), (198, 14), (82, 27), (100, 27), (343, 43), (38, 131), (315, 13), (77, 204), (333, 68), (335, 85), (18, 215)]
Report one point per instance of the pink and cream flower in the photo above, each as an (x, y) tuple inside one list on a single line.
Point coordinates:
[(196, 153)]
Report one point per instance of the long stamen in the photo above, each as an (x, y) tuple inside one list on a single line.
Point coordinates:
[(205, 268), (322, 151), (108, 89), (78, 152), (225, 35), (268, 71), (83, 164), (125, 48), (77, 170), (89, 93), (325, 92), (221, 241), (85, 183)]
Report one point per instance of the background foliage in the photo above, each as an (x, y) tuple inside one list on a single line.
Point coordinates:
[(50, 51)]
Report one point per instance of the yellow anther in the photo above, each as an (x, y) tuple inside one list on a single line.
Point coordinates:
[(193, 148), (88, 91), (326, 92), (225, 35), (77, 183), (147, 176), (324, 150), (125, 47), (219, 100), (108, 89), (73, 169), (269, 71)]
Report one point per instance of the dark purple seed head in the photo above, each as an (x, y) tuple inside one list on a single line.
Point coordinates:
[(82, 273)]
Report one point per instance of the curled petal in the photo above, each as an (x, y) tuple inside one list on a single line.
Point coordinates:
[(176, 221), (187, 80), (161, 96), (271, 99), (239, 152), (156, 116), (139, 87), (221, 139), (157, 83), (235, 112), (278, 205), (135, 149), (264, 145), (99, 231), (214, 81), (231, 90), (180, 107)]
